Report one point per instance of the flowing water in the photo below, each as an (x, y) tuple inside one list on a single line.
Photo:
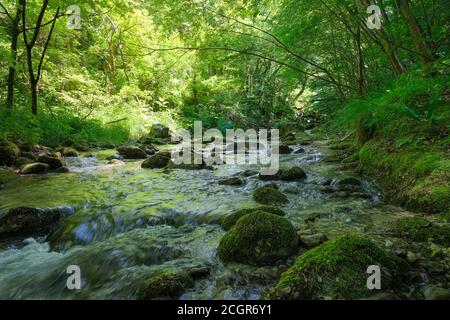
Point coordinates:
[(125, 224)]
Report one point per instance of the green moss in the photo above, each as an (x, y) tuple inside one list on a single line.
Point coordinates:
[(229, 221), (165, 285), (268, 195), (447, 216), (258, 238), (7, 175), (9, 152), (419, 180), (337, 269), (422, 230), (158, 161)]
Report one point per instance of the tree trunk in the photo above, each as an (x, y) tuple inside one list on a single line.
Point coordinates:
[(34, 98), (13, 63), (422, 47), (386, 45), (361, 78)]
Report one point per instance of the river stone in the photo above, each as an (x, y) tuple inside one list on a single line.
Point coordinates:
[(285, 149), (259, 238), (235, 181), (28, 222), (312, 240), (159, 131), (158, 161), (337, 270), (53, 162), (269, 195), (349, 182), (229, 221), (168, 285), (436, 293), (68, 152), (35, 168), (62, 170), (132, 152), (291, 174), (9, 152)]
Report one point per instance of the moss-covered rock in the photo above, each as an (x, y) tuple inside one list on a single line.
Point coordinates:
[(422, 230), (53, 162), (7, 176), (9, 152), (259, 238), (158, 161), (235, 181), (269, 195), (285, 149), (132, 152), (68, 152), (159, 131), (165, 285), (26, 222), (291, 174), (337, 270), (229, 221), (34, 168)]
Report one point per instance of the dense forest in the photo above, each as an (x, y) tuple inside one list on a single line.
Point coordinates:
[(359, 90)]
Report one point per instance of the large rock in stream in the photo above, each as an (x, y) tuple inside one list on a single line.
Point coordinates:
[(30, 222), (9, 153), (269, 195), (132, 152), (337, 269), (158, 161), (259, 238), (35, 168)]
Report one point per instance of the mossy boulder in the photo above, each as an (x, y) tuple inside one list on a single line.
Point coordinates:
[(9, 153), (421, 230), (291, 174), (229, 221), (259, 238), (159, 131), (7, 176), (68, 152), (53, 162), (269, 195), (337, 269), (167, 285), (132, 152), (285, 149), (158, 161), (34, 168), (27, 222), (235, 181)]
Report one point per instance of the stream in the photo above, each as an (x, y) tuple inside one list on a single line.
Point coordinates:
[(125, 224)]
